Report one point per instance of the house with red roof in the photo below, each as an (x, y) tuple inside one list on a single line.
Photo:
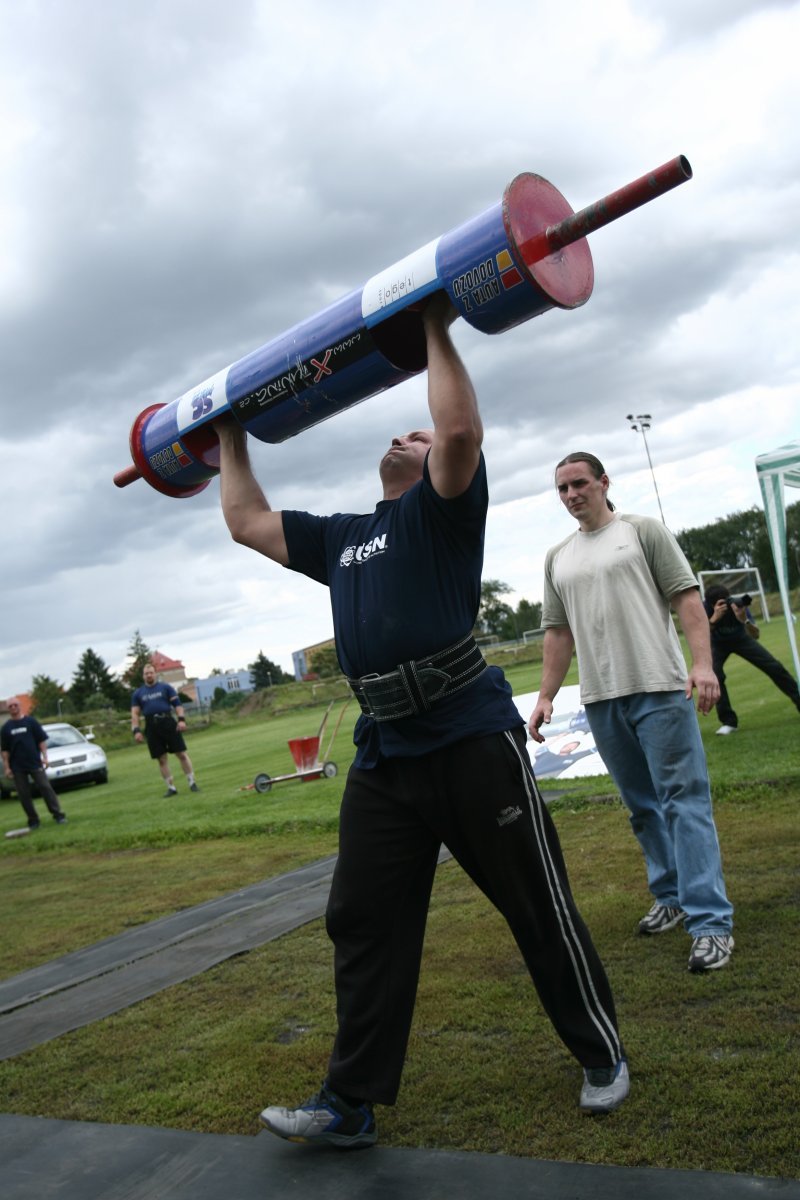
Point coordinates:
[(172, 670)]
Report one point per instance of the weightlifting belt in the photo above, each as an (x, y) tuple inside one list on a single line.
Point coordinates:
[(414, 686)]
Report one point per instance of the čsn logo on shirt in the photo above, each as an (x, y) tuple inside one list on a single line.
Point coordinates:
[(360, 554)]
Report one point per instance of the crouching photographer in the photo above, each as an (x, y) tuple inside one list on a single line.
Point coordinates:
[(733, 631)]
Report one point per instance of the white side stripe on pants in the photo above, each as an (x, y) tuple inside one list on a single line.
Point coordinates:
[(594, 1009)]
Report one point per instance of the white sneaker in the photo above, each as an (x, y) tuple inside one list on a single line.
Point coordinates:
[(726, 729), (710, 952), (326, 1117), (661, 918), (604, 1088)]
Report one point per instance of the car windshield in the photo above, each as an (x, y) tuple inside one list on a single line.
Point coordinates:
[(63, 737)]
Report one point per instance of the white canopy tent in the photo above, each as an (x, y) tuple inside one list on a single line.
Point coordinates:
[(777, 470)]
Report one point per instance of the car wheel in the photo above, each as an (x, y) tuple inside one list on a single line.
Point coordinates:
[(102, 776)]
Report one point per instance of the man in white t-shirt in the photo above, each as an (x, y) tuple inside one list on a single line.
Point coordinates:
[(608, 591)]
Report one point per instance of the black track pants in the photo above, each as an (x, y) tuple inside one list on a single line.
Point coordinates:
[(751, 651), (479, 798)]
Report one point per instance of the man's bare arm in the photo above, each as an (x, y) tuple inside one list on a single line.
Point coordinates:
[(136, 717), (556, 658), (694, 622), (458, 432), (247, 513)]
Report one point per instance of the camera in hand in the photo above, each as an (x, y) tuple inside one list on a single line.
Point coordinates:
[(740, 601)]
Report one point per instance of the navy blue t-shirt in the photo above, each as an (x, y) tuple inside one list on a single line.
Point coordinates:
[(21, 738), (154, 698), (405, 582)]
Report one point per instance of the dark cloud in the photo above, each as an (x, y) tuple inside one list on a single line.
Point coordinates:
[(184, 183)]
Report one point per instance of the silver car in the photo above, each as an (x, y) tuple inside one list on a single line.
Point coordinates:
[(73, 759)]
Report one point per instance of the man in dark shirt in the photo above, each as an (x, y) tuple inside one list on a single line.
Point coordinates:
[(440, 757), (23, 744), (157, 702)]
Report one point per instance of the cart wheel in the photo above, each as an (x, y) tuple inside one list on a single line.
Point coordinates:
[(262, 783), (329, 769)]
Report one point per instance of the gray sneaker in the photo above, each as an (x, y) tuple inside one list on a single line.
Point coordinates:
[(325, 1118), (661, 918), (710, 952), (604, 1088)]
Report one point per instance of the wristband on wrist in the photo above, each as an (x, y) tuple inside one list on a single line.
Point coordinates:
[(135, 731)]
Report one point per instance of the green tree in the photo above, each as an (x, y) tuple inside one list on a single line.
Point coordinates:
[(93, 682), (729, 542), (139, 653), (793, 542), (266, 673), (763, 553), (494, 614), (46, 694), (741, 540), (325, 663), (510, 628), (529, 615)]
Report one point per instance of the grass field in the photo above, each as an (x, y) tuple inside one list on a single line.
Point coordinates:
[(714, 1060)]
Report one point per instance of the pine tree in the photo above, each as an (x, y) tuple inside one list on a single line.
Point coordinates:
[(93, 681), (266, 673), (138, 654)]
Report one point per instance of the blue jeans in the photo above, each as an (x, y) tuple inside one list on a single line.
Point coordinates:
[(651, 744)]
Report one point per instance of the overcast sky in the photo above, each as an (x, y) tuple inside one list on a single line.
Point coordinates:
[(183, 180)]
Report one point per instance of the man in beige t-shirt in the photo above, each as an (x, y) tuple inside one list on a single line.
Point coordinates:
[(609, 587)]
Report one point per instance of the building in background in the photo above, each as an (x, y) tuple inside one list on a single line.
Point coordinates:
[(172, 670), (230, 681), (169, 670), (303, 660), (25, 704)]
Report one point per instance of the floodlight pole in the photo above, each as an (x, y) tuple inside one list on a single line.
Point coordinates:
[(639, 424)]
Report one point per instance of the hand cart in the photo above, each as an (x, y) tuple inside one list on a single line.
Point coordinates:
[(305, 752)]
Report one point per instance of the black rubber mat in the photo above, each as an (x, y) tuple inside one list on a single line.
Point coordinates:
[(73, 991), (146, 939), (64, 1160), (79, 988)]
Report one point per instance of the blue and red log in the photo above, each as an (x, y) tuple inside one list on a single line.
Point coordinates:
[(523, 256)]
